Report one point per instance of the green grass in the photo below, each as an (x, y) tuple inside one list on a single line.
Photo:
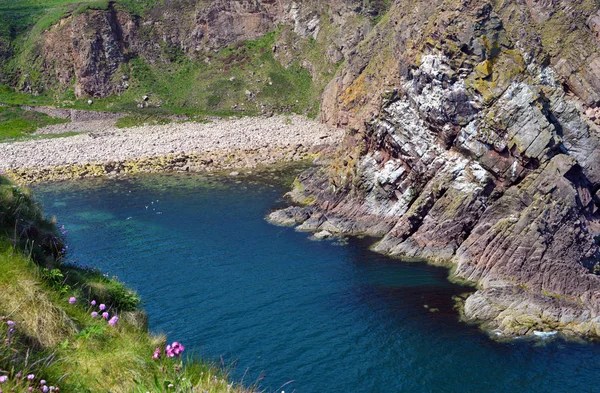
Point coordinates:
[(63, 343), (221, 86), (140, 119), (9, 96), (19, 16), (242, 79), (17, 123)]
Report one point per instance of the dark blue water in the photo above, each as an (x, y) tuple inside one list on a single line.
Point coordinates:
[(330, 317)]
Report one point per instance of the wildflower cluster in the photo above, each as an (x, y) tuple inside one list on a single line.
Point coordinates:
[(102, 312), (28, 382), (21, 381), (173, 350)]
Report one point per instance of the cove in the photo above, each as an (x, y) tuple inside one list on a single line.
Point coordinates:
[(330, 317)]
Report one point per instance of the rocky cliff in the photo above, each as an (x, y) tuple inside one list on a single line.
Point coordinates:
[(473, 126), (94, 50), (476, 146)]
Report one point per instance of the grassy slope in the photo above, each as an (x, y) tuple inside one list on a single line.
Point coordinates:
[(18, 17), (216, 84), (61, 342), (16, 123)]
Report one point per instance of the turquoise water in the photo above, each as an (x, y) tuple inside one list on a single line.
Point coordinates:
[(323, 316)]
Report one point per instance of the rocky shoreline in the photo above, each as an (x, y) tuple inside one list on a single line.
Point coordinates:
[(503, 308), (192, 147)]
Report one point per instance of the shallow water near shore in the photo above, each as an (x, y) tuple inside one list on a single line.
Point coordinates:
[(216, 276)]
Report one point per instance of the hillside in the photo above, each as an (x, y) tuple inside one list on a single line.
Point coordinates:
[(187, 57)]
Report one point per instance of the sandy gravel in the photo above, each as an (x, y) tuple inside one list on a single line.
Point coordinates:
[(149, 141)]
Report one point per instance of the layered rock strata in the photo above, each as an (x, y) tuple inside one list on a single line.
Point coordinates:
[(474, 147)]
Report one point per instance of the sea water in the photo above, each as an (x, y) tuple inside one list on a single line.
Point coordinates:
[(292, 313)]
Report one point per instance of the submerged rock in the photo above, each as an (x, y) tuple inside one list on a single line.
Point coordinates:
[(322, 235)]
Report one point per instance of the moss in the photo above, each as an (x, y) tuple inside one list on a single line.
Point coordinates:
[(493, 76), (483, 69)]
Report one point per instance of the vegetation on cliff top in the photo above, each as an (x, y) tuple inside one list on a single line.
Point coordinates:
[(53, 332), (243, 78)]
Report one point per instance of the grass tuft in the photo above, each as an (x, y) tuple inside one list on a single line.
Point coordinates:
[(39, 319)]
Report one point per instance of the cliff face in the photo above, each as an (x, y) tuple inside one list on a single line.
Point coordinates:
[(91, 51), (87, 48), (476, 147)]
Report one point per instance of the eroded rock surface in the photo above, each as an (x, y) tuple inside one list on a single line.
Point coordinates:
[(475, 147)]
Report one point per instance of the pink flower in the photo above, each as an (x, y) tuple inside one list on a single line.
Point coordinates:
[(30, 389), (102, 307), (175, 349), (156, 353), (113, 321), (93, 302), (72, 300), (3, 379), (94, 314), (178, 348), (43, 382), (30, 377), (105, 315), (10, 323)]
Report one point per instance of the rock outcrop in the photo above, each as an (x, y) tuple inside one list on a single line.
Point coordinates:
[(93, 48), (474, 146)]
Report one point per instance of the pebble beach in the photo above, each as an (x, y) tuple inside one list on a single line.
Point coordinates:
[(216, 145)]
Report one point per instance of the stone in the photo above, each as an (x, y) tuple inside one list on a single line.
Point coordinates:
[(322, 235)]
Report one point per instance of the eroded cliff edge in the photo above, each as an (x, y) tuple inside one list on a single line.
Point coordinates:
[(472, 143)]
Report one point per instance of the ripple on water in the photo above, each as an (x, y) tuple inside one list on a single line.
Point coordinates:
[(213, 274)]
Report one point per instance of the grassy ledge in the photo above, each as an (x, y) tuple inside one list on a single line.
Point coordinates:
[(53, 334), (16, 123)]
